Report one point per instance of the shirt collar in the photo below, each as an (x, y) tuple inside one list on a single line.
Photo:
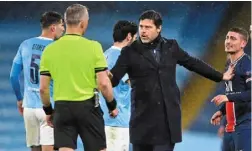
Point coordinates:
[(115, 47), (236, 61), (44, 38)]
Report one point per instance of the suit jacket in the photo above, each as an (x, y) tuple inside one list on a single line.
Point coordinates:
[(155, 97)]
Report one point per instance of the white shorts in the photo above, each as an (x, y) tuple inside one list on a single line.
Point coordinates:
[(37, 131), (117, 138)]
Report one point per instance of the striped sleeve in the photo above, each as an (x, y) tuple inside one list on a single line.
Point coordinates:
[(44, 64), (100, 61)]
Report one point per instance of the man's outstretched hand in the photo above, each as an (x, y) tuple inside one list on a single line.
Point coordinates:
[(229, 74)]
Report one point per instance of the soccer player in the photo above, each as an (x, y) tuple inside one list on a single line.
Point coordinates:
[(236, 104), (77, 66), (117, 129), (28, 59)]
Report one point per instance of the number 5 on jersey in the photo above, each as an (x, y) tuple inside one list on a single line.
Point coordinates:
[(34, 69)]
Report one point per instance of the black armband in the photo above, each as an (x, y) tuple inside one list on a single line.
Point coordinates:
[(48, 110), (111, 105)]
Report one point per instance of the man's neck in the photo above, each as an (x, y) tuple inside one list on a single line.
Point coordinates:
[(154, 42), (120, 44), (47, 34), (73, 31), (236, 56)]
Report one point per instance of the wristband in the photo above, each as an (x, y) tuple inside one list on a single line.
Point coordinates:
[(111, 105), (48, 110)]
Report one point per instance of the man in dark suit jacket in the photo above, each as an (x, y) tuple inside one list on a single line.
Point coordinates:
[(150, 62)]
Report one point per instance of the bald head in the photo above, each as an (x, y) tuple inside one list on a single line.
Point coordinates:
[(75, 14)]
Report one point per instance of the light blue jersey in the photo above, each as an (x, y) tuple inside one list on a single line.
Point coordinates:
[(121, 94), (28, 60)]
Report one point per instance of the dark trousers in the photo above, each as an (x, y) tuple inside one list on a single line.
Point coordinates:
[(147, 147), (240, 140), (79, 118)]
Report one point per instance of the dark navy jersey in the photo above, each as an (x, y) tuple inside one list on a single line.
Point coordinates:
[(238, 90)]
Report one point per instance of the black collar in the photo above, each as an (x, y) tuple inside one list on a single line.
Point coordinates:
[(73, 35), (154, 43)]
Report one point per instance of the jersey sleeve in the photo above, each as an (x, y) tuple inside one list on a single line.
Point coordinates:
[(100, 61), (44, 63), (16, 70), (247, 76), (18, 57)]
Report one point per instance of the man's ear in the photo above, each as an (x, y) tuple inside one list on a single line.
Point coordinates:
[(243, 44), (53, 28), (129, 37), (159, 28), (82, 24)]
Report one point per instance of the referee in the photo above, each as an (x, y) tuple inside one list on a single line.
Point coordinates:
[(77, 66)]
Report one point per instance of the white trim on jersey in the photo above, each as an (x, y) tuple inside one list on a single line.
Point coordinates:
[(44, 38), (236, 61), (115, 47)]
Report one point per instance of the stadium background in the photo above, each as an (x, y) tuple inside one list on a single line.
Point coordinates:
[(199, 27)]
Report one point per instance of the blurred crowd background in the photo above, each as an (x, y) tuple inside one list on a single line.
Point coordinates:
[(199, 27)]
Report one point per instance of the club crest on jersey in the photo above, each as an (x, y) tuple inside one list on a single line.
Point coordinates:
[(229, 86)]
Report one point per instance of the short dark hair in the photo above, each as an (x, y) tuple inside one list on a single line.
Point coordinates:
[(122, 28), (49, 18), (241, 31), (152, 15)]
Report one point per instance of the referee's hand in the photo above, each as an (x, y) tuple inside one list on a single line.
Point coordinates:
[(114, 113), (49, 121)]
